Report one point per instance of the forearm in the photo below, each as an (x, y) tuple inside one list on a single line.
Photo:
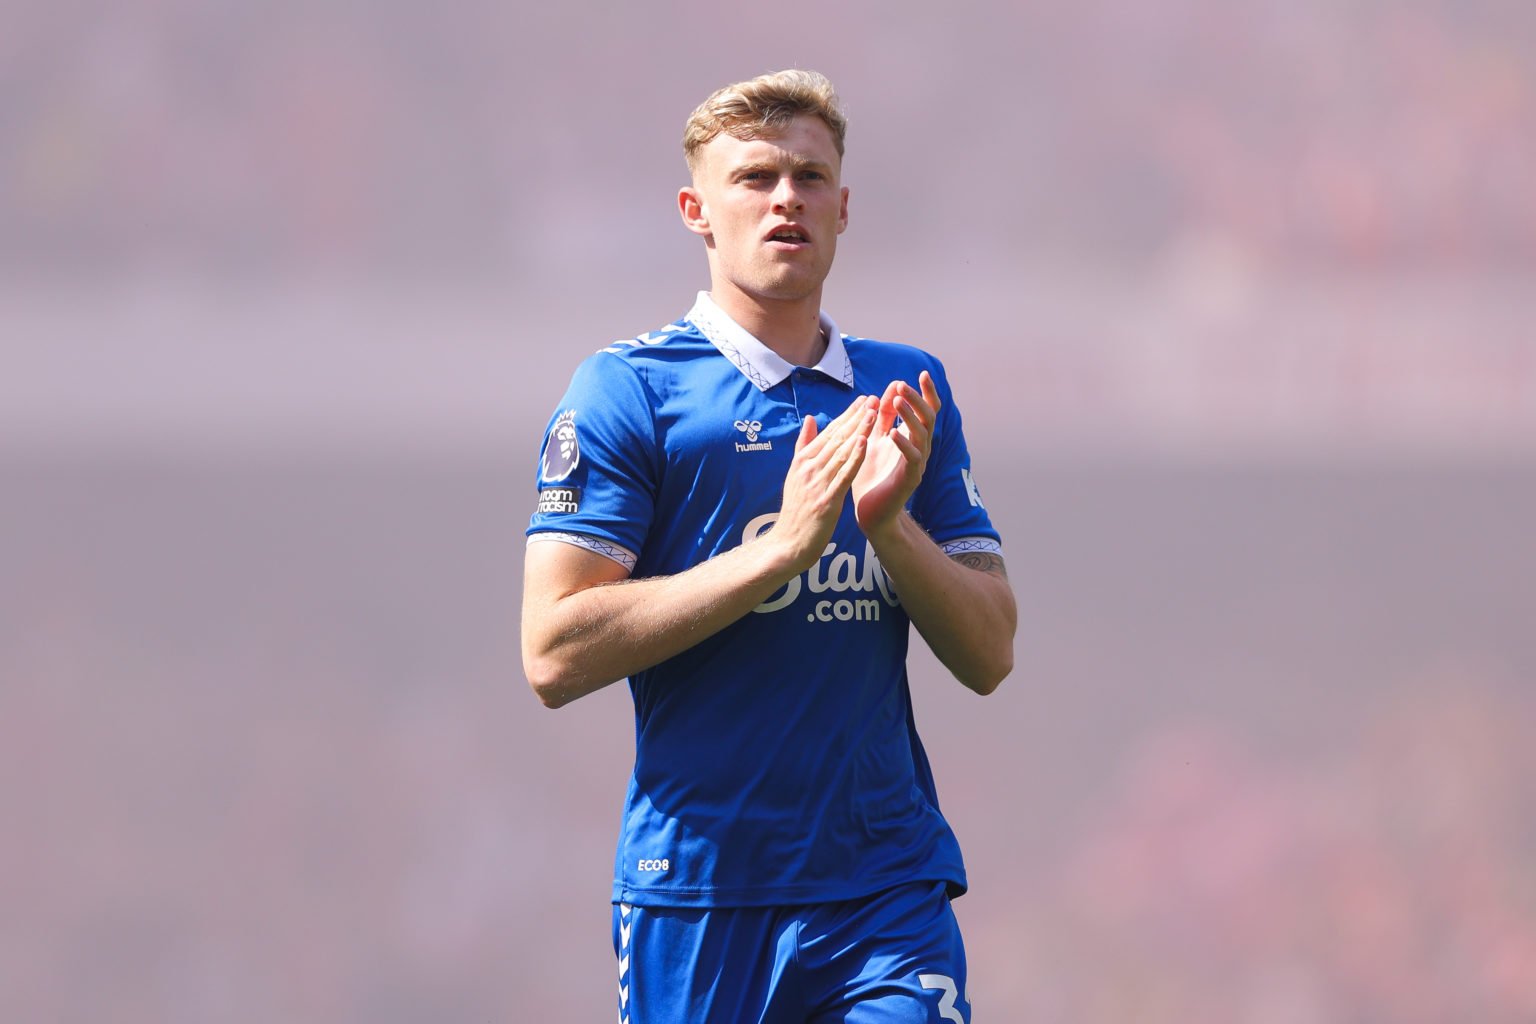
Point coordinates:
[(585, 627), (966, 614), (577, 642)]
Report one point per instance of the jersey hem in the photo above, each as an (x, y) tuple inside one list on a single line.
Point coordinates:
[(779, 896)]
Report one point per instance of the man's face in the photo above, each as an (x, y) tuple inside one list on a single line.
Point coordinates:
[(770, 210)]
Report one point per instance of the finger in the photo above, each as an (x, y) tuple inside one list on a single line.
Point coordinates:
[(910, 449), (824, 485), (839, 423), (888, 407), (822, 461), (857, 410), (850, 448), (849, 421), (917, 421), (807, 434), (819, 438), (930, 391), (919, 404), (848, 468)]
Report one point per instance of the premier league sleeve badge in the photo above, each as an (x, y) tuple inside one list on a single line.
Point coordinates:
[(562, 452)]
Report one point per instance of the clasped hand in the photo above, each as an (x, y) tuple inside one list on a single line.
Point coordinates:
[(878, 449)]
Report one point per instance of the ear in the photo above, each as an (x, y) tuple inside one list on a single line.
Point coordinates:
[(690, 203), (842, 213)]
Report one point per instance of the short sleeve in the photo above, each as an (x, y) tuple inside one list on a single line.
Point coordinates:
[(597, 475), (947, 504)]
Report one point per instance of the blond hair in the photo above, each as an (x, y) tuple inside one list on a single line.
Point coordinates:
[(764, 106)]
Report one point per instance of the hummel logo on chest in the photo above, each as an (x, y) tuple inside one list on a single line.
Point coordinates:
[(751, 428)]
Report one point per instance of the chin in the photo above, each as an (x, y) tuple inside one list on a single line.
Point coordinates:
[(788, 288)]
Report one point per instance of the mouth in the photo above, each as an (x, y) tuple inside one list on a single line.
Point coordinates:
[(792, 235)]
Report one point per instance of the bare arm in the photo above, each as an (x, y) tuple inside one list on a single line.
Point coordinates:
[(963, 606), (585, 625)]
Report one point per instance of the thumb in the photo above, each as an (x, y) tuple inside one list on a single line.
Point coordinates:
[(807, 433)]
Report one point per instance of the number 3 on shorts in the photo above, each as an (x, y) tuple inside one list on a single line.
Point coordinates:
[(947, 1001)]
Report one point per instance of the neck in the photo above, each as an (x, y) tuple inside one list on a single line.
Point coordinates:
[(791, 328)]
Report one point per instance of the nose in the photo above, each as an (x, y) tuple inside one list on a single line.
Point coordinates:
[(786, 199)]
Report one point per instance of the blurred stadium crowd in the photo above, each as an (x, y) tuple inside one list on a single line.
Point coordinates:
[(262, 138), (1389, 880)]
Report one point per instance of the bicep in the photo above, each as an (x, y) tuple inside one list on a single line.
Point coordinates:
[(555, 575), (554, 570)]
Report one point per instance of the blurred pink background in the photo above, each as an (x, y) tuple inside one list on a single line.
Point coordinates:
[(1239, 300)]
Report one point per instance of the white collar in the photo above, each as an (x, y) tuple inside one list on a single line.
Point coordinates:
[(762, 365)]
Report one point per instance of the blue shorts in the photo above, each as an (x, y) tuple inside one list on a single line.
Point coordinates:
[(892, 958)]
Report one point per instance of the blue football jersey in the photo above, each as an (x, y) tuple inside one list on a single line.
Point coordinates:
[(776, 762)]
